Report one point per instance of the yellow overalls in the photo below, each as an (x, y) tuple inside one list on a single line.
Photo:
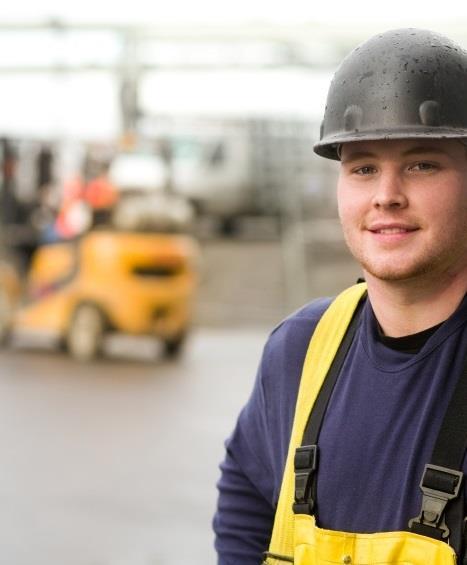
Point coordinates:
[(296, 538)]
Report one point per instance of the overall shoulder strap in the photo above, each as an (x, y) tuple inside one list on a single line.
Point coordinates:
[(321, 352), (442, 484)]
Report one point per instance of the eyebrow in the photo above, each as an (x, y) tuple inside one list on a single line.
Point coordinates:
[(422, 149)]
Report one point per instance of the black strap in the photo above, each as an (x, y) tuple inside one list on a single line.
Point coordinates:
[(443, 478), (451, 445), (306, 456), (315, 420)]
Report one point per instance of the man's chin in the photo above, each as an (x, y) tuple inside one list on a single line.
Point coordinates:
[(395, 273)]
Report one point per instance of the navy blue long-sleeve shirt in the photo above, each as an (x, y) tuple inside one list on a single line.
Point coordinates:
[(378, 432)]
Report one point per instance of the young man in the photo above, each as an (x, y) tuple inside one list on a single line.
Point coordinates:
[(396, 117)]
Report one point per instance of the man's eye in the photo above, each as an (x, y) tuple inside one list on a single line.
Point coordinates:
[(423, 167), (366, 170)]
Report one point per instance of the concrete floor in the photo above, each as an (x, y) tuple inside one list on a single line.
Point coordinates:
[(115, 463)]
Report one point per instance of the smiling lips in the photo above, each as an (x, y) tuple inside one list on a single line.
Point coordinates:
[(391, 229)]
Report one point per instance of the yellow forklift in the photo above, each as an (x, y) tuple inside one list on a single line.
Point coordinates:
[(135, 273), (105, 281)]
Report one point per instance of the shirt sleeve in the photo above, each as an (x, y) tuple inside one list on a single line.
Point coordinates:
[(245, 512), (251, 473)]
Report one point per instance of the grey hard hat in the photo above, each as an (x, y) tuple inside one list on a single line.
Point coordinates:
[(402, 84)]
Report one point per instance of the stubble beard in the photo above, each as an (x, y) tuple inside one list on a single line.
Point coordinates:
[(431, 264), (390, 272)]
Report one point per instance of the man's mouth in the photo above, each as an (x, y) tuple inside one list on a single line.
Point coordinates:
[(391, 229)]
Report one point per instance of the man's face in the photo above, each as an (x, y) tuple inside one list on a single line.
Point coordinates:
[(403, 207)]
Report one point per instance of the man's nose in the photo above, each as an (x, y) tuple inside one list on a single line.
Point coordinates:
[(389, 191)]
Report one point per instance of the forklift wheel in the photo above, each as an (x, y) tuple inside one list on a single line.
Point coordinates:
[(85, 336), (173, 347)]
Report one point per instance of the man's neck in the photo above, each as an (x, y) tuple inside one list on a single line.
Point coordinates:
[(407, 307)]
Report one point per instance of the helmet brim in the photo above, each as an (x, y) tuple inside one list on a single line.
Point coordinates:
[(330, 148)]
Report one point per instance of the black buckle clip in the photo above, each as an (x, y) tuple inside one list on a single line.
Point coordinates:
[(439, 485), (305, 464)]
